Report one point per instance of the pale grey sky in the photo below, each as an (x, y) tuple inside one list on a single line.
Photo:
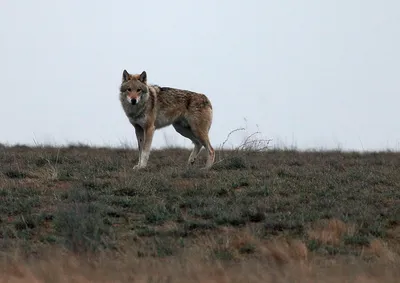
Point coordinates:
[(314, 74)]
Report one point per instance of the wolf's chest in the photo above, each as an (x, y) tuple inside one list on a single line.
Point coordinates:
[(141, 121)]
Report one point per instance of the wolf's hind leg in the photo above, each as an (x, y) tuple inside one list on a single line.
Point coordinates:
[(187, 132), (200, 129)]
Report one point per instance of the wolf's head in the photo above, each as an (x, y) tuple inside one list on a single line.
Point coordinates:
[(134, 87)]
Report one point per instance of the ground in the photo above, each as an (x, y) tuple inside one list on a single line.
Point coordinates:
[(271, 216)]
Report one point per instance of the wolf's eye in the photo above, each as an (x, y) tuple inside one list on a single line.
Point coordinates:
[(139, 90), (129, 89)]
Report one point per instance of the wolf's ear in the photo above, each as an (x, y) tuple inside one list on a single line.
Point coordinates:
[(143, 77), (125, 76)]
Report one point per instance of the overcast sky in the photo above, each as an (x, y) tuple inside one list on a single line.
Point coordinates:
[(310, 74)]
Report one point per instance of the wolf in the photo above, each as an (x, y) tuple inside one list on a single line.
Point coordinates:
[(151, 107)]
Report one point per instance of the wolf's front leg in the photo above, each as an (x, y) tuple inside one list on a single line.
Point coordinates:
[(140, 140), (148, 139)]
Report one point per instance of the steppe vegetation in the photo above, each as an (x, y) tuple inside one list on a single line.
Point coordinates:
[(81, 214)]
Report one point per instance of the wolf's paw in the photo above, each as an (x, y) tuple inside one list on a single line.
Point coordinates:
[(206, 168), (138, 167), (190, 164)]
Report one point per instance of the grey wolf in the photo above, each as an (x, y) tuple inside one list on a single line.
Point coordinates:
[(151, 107)]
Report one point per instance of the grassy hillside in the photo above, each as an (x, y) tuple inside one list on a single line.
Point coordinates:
[(274, 216)]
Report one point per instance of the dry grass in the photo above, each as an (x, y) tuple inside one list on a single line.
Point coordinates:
[(282, 262), (331, 231), (80, 214)]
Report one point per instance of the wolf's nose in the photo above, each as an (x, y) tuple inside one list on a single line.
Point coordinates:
[(133, 101)]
